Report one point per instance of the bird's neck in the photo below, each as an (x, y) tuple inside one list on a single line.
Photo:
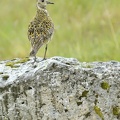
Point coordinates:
[(41, 14)]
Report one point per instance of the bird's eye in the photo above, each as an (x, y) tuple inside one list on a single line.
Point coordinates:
[(42, 0)]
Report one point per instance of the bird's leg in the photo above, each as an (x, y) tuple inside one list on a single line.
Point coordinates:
[(45, 52), (34, 59)]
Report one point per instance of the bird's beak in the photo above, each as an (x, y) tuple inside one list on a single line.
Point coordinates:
[(49, 2)]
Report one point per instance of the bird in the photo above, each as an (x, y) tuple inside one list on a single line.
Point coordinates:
[(40, 29)]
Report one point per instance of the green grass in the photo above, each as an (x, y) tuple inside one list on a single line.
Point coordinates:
[(88, 30)]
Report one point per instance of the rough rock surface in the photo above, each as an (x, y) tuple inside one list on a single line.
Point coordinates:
[(59, 89)]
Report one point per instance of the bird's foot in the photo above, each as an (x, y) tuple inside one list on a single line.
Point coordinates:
[(43, 59), (34, 60)]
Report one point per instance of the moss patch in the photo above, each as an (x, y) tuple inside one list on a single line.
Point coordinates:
[(98, 112), (84, 94), (87, 65), (87, 115), (79, 103), (23, 60), (116, 110), (96, 100), (5, 77), (105, 85), (12, 64)]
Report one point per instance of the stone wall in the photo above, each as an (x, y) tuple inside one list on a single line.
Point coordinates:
[(59, 89)]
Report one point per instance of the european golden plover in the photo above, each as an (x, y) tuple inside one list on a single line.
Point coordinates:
[(40, 29)]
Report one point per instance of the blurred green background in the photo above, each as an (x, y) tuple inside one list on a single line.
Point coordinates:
[(88, 30)]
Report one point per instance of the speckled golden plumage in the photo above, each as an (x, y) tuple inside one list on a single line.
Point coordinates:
[(40, 29)]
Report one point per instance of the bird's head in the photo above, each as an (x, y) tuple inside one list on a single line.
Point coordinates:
[(43, 3)]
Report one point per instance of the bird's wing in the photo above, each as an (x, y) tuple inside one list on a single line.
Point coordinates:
[(47, 29), (34, 34)]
